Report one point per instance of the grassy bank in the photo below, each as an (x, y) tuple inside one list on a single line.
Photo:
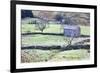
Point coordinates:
[(37, 55)]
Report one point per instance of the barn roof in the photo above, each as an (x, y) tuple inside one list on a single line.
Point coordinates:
[(71, 27)]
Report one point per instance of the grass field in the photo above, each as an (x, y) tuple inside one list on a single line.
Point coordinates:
[(39, 39), (85, 30), (52, 28), (39, 55), (49, 29)]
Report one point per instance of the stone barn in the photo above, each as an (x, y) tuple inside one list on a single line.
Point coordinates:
[(71, 30)]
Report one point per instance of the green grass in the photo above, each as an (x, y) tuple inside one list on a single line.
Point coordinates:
[(85, 30), (47, 39), (52, 28), (49, 29), (71, 55), (37, 55), (43, 40)]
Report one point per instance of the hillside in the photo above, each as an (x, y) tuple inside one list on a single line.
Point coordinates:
[(78, 18)]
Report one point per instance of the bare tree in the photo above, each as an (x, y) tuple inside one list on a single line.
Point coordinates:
[(68, 40), (41, 26)]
